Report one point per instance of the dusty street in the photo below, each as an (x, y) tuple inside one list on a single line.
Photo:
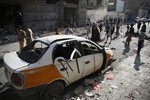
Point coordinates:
[(128, 78)]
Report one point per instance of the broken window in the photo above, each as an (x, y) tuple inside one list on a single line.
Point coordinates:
[(66, 50), (33, 52), (89, 48)]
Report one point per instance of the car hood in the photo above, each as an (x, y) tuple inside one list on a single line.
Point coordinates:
[(13, 62)]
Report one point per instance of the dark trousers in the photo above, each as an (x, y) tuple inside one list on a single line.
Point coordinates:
[(140, 46)]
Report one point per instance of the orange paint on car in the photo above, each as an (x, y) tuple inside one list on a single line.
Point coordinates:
[(40, 75), (108, 54)]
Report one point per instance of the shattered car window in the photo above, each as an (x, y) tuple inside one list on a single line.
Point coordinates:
[(33, 52), (89, 48)]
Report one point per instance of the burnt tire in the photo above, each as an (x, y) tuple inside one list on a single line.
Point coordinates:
[(54, 90)]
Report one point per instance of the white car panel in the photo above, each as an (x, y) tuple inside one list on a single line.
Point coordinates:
[(13, 61), (98, 61), (88, 64)]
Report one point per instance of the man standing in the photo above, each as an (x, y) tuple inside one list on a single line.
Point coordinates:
[(112, 28), (117, 30), (140, 43), (69, 31), (101, 26), (29, 34), (88, 30), (21, 36), (141, 38), (138, 26), (128, 29), (129, 37), (57, 31), (143, 28)]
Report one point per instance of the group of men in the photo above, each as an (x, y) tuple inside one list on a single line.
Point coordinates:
[(112, 28), (141, 29), (25, 34)]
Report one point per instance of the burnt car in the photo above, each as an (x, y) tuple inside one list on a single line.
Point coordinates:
[(49, 64)]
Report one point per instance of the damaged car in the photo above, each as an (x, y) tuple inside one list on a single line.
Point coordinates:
[(49, 64)]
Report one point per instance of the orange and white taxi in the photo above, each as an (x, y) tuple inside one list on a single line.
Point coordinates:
[(49, 64)]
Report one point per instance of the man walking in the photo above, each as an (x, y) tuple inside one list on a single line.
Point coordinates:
[(138, 26), (95, 33), (117, 30), (29, 34), (141, 38), (21, 36), (129, 37), (140, 43), (143, 28)]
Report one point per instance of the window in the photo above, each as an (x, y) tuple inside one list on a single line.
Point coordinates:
[(89, 48), (33, 52), (65, 50)]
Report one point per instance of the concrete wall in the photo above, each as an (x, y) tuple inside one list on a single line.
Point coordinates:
[(40, 15), (134, 6), (92, 3), (120, 6), (82, 13), (37, 14)]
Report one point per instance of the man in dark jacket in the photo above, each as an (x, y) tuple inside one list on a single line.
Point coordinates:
[(140, 42), (141, 38), (138, 26), (143, 28), (95, 33), (130, 35)]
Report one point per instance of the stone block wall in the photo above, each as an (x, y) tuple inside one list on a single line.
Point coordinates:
[(40, 16)]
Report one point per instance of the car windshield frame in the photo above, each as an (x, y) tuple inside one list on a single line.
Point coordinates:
[(32, 53)]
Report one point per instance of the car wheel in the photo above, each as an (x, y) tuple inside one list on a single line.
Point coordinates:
[(55, 89)]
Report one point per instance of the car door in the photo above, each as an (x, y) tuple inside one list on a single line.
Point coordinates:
[(93, 57), (67, 59)]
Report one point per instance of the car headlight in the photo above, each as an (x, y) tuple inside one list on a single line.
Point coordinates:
[(17, 79)]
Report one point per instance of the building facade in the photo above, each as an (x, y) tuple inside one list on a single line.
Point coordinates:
[(120, 6), (42, 14), (132, 8), (95, 3)]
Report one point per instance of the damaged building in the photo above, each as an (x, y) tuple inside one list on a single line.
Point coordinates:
[(42, 14)]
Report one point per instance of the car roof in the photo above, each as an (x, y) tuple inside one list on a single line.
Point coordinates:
[(52, 38)]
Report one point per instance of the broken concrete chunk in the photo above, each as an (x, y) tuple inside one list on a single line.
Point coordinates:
[(89, 81), (110, 76), (114, 87), (78, 90), (88, 93)]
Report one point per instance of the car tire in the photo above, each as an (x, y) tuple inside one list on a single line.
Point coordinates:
[(54, 90)]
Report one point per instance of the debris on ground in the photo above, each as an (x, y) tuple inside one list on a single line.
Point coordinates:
[(78, 98), (89, 81), (96, 86), (113, 48), (4, 87), (114, 87), (78, 90), (89, 93), (106, 69), (110, 76)]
